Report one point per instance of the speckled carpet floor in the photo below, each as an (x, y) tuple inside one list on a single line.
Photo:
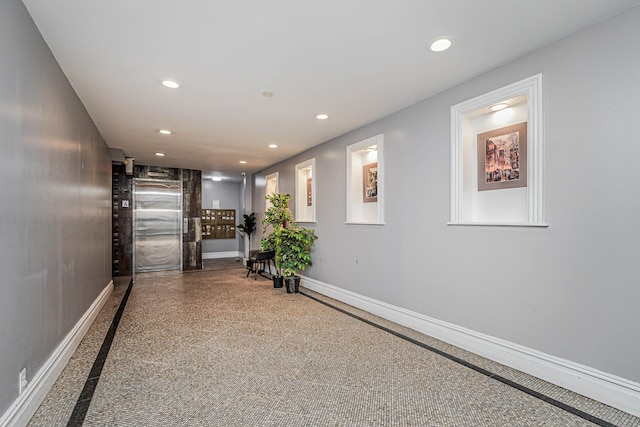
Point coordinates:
[(215, 348)]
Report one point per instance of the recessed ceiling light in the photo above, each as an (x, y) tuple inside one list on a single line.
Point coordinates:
[(267, 94), (322, 117), (171, 84), (160, 154), (216, 178), (372, 148), (244, 162), (440, 44), (498, 107), (165, 131), (273, 146)]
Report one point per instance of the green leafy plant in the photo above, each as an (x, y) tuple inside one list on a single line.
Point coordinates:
[(294, 248), (278, 215), (280, 233), (249, 226)]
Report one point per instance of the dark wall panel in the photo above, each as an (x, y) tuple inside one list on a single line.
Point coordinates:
[(122, 217)]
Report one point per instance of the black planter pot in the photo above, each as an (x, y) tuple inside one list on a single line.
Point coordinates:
[(292, 283), (277, 281)]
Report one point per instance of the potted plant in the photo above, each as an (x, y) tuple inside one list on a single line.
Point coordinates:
[(294, 248), (275, 219), (269, 243), (247, 228), (292, 243), (278, 215)]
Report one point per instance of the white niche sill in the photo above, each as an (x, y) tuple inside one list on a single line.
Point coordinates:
[(500, 224)]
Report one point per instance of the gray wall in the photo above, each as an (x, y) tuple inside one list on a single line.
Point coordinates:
[(55, 221), (569, 290), (229, 194)]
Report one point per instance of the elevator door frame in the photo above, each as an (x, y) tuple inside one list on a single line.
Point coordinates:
[(134, 224)]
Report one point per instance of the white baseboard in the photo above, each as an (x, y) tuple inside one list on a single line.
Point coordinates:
[(610, 389), (21, 411), (229, 254)]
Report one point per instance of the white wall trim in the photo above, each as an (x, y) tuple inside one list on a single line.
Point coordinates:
[(601, 386), (215, 255), (21, 411)]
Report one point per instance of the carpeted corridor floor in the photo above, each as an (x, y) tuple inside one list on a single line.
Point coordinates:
[(215, 348)]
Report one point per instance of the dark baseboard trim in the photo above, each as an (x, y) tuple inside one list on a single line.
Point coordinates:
[(524, 389), (82, 405)]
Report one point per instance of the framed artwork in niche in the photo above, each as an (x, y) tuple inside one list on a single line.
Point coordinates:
[(309, 191), (502, 158), (370, 182)]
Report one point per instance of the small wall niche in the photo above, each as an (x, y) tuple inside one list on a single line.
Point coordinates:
[(305, 197), (271, 187), (497, 157), (365, 173)]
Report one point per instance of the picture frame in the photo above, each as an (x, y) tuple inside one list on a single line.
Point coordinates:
[(370, 183), (502, 158), (309, 191)]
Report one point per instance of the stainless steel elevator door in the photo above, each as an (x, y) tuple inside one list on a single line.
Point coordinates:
[(157, 221)]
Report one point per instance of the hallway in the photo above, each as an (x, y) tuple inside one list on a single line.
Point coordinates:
[(214, 348)]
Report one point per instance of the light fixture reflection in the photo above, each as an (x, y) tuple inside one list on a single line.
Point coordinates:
[(503, 116), (498, 107), (440, 44), (171, 84)]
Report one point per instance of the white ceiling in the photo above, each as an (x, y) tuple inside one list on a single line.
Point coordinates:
[(355, 60)]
